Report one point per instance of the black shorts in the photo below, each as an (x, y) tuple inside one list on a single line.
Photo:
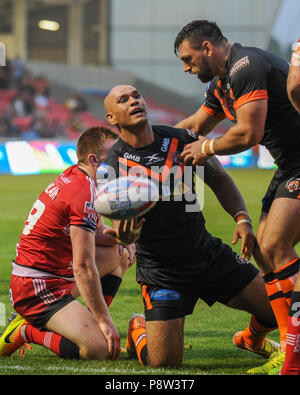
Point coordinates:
[(222, 279), (284, 184)]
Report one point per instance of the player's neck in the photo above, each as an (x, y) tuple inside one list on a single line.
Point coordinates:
[(223, 58), (89, 170), (138, 137)]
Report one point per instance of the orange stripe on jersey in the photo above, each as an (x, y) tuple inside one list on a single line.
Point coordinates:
[(224, 106), (146, 297), (251, 96), (169, 162), (213, 113), (129, 163), (208, 110), (150, 172)]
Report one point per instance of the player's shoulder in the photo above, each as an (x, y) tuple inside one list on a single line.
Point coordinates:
[(71, 183), (245, 60), (166, 131)]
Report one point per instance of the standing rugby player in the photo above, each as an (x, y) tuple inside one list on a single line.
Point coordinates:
[(248, 86)]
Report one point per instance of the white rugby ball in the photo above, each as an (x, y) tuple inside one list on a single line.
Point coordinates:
[(126, 197)]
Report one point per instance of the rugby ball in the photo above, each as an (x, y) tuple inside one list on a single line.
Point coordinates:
[(126, 197)]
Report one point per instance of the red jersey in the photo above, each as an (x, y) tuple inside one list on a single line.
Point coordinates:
[(45, 246)]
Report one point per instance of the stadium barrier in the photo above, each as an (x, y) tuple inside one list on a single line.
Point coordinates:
[(53, 156)]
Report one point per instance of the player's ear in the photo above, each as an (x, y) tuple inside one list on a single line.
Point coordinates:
[(111, 119), (93, 160), (207, 48)]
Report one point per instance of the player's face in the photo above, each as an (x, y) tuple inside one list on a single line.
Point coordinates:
[(128, 107), (195, 62)]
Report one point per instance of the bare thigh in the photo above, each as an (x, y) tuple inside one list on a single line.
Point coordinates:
[(281, 232), (254, 299), (262, 264), (77, 324), (165, 343)]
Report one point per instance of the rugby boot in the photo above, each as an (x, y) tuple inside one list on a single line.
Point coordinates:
[(11, 340), (136, 321), (272, 367), (266, 350)]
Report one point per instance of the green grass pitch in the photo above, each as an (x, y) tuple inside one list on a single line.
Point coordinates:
[(208, 332)]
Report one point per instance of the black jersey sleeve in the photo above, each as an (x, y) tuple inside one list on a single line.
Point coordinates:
[(187, 136), (248, 78)]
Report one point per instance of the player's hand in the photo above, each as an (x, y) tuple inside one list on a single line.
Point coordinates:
[(128, 231), (112, 337), (194, 151), (131, 252), (244, 231)]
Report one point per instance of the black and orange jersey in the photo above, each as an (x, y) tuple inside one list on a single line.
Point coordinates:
[(173, 230), (254, 74)]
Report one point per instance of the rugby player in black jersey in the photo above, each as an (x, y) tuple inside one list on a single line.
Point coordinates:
[(178, 261), (248, 86)]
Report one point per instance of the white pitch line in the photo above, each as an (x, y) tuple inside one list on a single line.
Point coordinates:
[(91, 370)]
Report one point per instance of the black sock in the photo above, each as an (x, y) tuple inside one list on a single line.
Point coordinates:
[(68, 349), (110, 285)]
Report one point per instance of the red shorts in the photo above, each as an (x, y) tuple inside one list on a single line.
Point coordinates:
[(37, 299)]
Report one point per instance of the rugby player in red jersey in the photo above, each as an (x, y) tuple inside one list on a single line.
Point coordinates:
[(292, 360), (248, 86), (62, 253), (178, 260)]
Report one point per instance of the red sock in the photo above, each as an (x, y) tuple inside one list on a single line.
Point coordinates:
[(52, 341), (291, 365)]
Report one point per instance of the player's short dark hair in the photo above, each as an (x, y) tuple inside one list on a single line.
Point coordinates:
[(198, 31), (91, 141)]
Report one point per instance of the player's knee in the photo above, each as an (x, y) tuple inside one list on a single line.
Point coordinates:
[(268, 249), (93, 351), (122, 262)]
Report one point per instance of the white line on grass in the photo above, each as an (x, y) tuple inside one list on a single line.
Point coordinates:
[(90, 370)]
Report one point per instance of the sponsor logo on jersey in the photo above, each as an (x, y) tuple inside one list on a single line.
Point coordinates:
[(91, 220), (165, 294), (243, 62), (241, 260), (89, 207), (165, 144), (65, 179), (153, 158), (191, 133), (129, 156)]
